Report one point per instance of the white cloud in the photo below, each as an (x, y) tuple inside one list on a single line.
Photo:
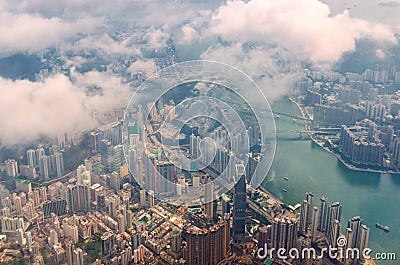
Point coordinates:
[(31, 32), (143, 67), (29, 110), (304, 27), (110, 46), (271, 68), (380, 54)]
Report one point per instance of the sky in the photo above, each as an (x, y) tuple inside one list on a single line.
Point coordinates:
[(267, 39)]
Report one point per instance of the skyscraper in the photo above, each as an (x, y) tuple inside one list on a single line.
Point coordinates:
[(354, 224), (207, 246), (209, 197), (78, 256), (31, 157), (239, 206), (314, 223), (323, 214), (310, 202), (303, 217), (284, 233), (11, 168), (107, 243), (78, 198), (334, 213)]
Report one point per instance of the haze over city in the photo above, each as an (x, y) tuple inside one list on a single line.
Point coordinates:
[(199, 131)]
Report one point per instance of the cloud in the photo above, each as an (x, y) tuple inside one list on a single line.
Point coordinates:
[(31, 32), (380, 54), (304, 27), (389, 4), (108, 45), (29, 110), (143, 67), (270, 67)]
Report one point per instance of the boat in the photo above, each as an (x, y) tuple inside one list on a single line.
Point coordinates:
[(277, 116), (383, 227), (294, 120), (286, 178), (284, 190)]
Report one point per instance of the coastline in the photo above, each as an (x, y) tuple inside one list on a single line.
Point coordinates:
[(338, 156)]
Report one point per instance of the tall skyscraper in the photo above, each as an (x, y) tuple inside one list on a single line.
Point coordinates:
[(194, 146), (207, 246), (59, 164), (239, 206), (11, 167), (334, 213), (31, 157), (107, 243), (310, 202), (303, 217), (323, 214), (44, 167), (209, 198), (314, 223), (334, 233), (78, 198), (151, 198), (78, 256), (363, 239), (176, 241), (354, 224), (284, 233)]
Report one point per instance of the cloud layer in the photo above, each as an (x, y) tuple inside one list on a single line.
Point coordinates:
[(304, 27), (29, 110), (22, 32)]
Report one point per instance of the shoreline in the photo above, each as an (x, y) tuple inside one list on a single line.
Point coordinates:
[(338, 156)]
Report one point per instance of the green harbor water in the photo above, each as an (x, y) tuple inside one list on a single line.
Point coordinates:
[(375, 197)]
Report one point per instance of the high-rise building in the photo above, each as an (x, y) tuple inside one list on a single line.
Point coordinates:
[(334, 233), (176, 241), (314, 223), (59, 207), (263, 235), (209, 198), (59, 157), (21, 237), (31, 158), (323, 214), (11, 168), (29, 241), (303, 217), (207, 246), (239, 206), (70, 229), (107, 243), (53, 238), (354, 224), (363, 239), (310, 202), (78, 198), (284, 233), (70, 252), (78, 256), (334, 213), (151, 198), (44, 167), (194, 146), (142, 198)]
